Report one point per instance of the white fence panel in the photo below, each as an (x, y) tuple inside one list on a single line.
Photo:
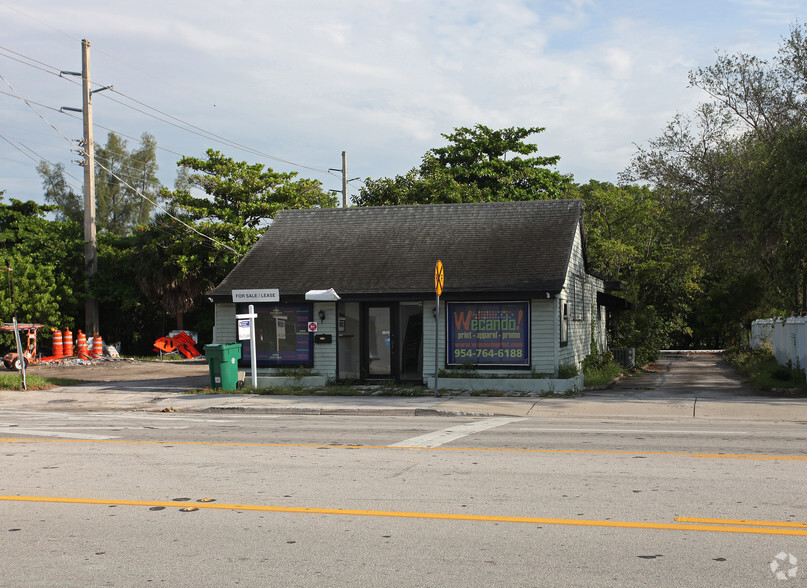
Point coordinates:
[(787, 338)]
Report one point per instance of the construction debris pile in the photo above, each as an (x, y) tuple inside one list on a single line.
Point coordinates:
[(181, 342), (63, 349)]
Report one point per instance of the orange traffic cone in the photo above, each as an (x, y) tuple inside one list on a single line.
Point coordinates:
[(97, 346)]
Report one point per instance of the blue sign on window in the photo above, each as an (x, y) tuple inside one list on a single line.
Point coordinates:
[(489, 333), (281, 335)]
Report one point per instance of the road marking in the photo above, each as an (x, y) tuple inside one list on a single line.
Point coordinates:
[(444, 436), (77, 436), (420, 515), (487, 449), (640, 431), (743, 522)]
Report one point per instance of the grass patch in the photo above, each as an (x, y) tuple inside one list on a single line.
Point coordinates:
[(602, 376), (760, 369), (12, 381)]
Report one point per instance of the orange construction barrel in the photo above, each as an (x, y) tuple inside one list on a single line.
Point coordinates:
[(67, 346), (81, 343), (58, 349), (97, 346)]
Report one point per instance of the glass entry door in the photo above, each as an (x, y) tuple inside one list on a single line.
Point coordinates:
[(380, 342)]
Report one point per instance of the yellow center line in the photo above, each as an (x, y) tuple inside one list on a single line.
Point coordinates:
[(416, 515), (743, 522), (493, 449)]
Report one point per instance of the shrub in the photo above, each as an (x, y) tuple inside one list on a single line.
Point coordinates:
[(567, 370), (760, 368)]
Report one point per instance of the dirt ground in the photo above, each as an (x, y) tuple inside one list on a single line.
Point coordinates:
[(117, 370)]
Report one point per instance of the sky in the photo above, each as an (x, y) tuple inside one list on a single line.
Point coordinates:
[(291, 85)]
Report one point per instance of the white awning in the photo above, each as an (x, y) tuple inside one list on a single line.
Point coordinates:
[(328, 295)]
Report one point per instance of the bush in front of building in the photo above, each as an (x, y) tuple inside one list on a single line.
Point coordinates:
[(599, 369), (760, 369)]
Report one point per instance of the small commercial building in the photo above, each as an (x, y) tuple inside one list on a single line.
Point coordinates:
[(349, 293)]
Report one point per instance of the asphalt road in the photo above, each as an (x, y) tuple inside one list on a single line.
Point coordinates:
[(285, 500)]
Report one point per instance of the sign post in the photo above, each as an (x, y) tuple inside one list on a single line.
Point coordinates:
[(439, 280), (250, 317)]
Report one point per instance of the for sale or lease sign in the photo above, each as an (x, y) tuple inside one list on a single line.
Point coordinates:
[(259, 295)]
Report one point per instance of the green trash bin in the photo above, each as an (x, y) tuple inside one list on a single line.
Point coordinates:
[(223, 363)]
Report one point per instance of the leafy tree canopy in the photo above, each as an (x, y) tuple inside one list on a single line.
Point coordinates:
[(732, 177), (479, 164), (122, 178), (632, 238), (183, 255), (42, 255)]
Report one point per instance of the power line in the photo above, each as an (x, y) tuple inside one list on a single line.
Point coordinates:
[(167, 213), (20, 12), (26, 60), (41, 158), (191, 128), (164, 117), (124, 182), (30, 105), (28, 155), (179, 123)]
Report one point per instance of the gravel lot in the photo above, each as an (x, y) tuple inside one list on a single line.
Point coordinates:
[(117, 370)]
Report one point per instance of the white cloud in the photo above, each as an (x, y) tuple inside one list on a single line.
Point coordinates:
[(383, 80)]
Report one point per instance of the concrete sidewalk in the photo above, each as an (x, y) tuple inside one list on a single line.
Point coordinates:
[(686, 387), (598, 404)]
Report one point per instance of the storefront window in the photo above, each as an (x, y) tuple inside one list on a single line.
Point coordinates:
[(281, 335), (489, 333)]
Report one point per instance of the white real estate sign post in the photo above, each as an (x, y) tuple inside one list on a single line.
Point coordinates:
[(260, 295), (250, 319)]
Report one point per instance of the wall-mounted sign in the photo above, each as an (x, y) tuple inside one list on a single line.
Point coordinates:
[(259, 295), (489, 333)]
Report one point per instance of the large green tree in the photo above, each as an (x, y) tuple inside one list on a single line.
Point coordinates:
[(68, 205), (186, 252), (44, 257), (631, 238), (479, 164), (732, 177), (126, 186), (126, 183)]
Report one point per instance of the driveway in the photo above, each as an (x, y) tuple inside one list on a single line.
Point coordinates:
[(686, 375)]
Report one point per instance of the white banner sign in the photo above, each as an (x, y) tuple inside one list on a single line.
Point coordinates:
[(243, 329), (263, 295)]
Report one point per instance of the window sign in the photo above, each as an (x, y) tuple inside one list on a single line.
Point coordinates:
[(243, 329), (489, 333), (281, 335)]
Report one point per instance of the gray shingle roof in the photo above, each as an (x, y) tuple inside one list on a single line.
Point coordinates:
[(501, 247)]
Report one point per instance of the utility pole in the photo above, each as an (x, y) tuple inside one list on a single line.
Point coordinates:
[(344, 179), (90, 243)]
